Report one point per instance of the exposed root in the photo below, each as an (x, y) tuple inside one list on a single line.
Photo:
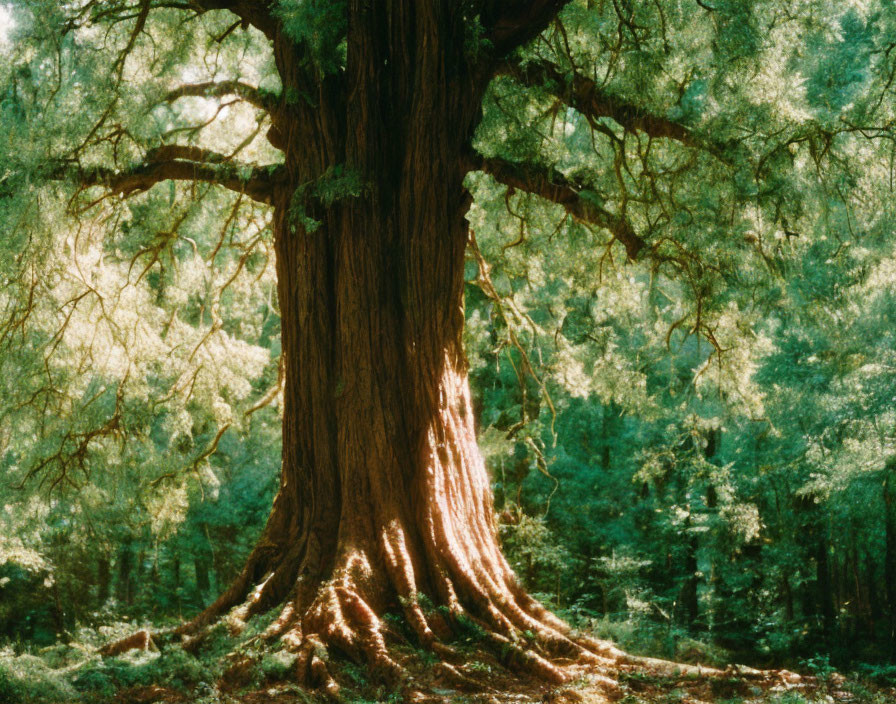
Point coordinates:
[(454, 676), (525, 659), (317, 621), (311, 667), (252, 574), (479, 604), (341, 623), (141, 640), (370, 637), (282, 623)]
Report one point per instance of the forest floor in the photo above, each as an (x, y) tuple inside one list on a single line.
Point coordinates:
[(236, 671), (484, 680), (635, 688)]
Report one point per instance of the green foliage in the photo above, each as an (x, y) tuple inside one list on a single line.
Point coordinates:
[(173, 667), (334, 184), (320, 26), (26, 679), (475, 40), (537, 556), (884, 675), (820, 666), (467, 633)]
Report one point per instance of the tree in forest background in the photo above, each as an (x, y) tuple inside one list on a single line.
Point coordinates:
[(341, 145)]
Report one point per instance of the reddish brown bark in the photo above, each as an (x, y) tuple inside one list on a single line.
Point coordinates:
[(384, 497)]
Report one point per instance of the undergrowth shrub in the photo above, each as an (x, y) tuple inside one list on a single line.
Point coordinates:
[(881, 674), (26, 679), (173, 667)]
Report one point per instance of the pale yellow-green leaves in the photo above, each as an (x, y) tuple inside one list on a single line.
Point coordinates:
[(730, 368)]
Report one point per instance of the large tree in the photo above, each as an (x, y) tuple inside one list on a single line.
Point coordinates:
[(380, 112)]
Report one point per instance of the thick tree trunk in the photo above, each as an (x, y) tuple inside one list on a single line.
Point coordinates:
[(384, 501)]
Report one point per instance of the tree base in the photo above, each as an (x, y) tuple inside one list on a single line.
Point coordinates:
[(352, 654), (368, 614), (481, 610), (476, 673), (341, 626)]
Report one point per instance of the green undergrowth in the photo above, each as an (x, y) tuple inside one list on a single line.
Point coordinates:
[(29, 679), (229, 669), (74, 673)]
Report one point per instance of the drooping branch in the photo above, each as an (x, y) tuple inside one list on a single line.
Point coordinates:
[(555, 187), (219, 89), (587, 98), (179, 163), (512, 24)]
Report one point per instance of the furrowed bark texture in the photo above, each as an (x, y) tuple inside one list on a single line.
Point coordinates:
[(384, 497)]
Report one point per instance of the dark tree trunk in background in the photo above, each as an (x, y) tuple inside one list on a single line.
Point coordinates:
[(176, 575), (103, 579), (690, 603), (890, 552), (818, 597), (824, 592), (201, 566), (145, 572), (124, 590), (384, 496), (875, 607), (690, 596), (606, 438), (58, 610), (788, 598)]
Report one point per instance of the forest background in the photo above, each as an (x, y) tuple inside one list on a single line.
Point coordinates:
[(692, 452)]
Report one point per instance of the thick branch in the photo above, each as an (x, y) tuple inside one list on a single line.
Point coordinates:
[(583, 94), (218, 89), (180, 163), (251, 12), (555, 187), (512, 24), (184, 152), (257, 13)]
